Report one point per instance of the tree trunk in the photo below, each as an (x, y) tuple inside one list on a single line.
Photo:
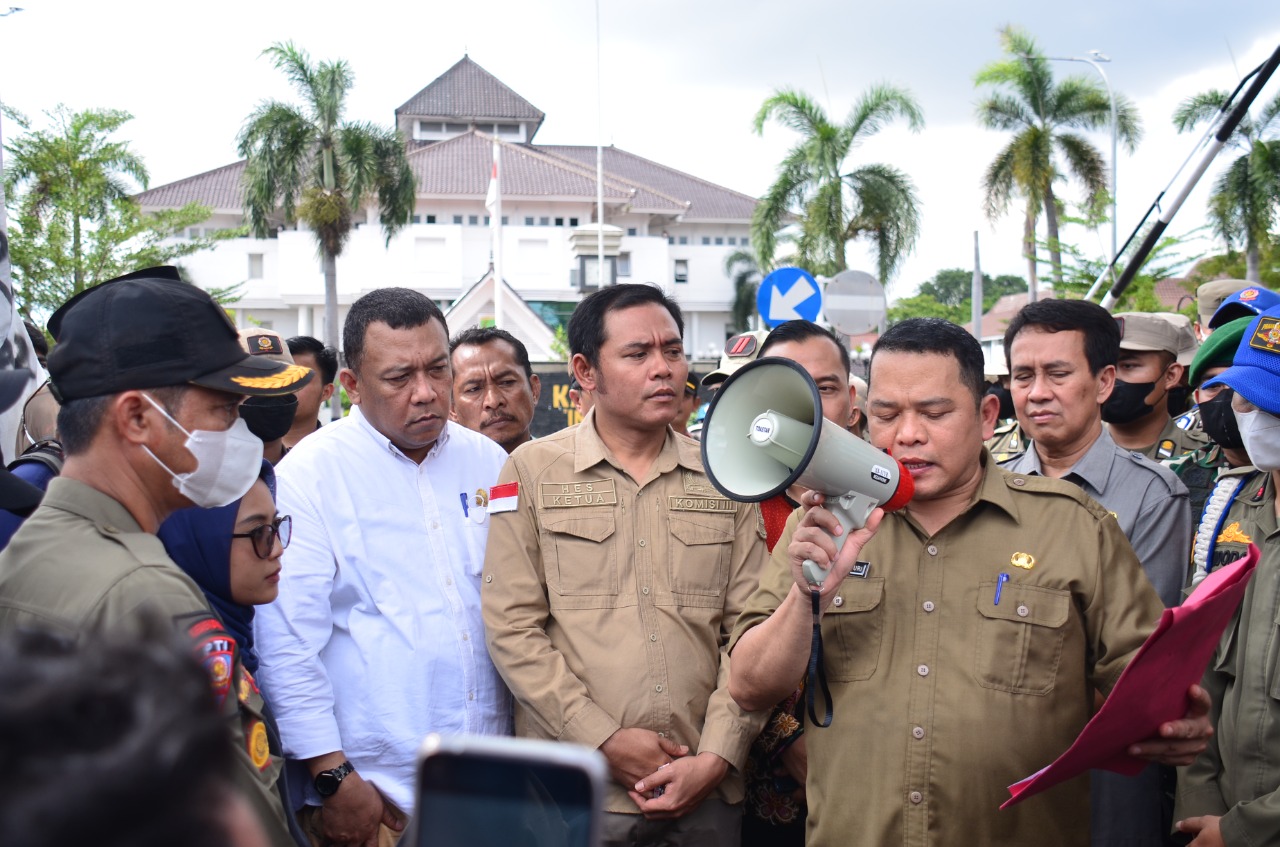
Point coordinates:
[(330, 263), (1051, 223), (1029, 252), (76, 258), (1253, 263)]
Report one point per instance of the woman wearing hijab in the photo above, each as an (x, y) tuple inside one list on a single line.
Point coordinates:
[(233, 554)]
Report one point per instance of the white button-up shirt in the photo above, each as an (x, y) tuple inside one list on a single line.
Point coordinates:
[(376, 638)]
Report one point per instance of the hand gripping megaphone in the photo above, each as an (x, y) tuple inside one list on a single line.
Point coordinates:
[(764, 431)]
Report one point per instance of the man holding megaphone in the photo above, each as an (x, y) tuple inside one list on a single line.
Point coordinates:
[(964, 635)]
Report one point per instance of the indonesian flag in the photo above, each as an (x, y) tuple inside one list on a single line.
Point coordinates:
[(503, 498), (491, 199)]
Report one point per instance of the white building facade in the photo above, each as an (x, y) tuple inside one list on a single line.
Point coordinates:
[(669, 228)]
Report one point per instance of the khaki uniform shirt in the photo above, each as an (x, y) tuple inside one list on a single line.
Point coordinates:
[(82, 565), (943, 697), (608, 601), (1238, 776), (1008, 442)]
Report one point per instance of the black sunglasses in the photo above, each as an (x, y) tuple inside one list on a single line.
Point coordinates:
[(264, 537)]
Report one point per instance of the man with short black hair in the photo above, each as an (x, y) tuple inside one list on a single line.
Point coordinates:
[(966, 654), (150, 375), (612, 579), (495, 390), (311, 353), (376, 638)]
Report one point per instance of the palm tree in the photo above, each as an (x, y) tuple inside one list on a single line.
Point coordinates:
[(1040, 112), (1244, 199), (308, 164), (71, 178), (744, 270), (834, 206)]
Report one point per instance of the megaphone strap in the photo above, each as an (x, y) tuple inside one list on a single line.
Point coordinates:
[(817, 674)]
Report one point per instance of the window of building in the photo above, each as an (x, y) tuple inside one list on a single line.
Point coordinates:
[(455, 127), (732, 241), (473, 220), (631, 230), (544, 221), (684, 239), (559, 221), (573, 221), (457, 219), (528, 221), (706, 240), (416, 219), (624, 264), (504, 220), (719, 240), (255, 266), (508, 129), (682, 270), (486, 220), (431, 219), (671, 239)]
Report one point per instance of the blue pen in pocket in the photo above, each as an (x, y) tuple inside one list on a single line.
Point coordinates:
[(1000, 581), (466, 512)]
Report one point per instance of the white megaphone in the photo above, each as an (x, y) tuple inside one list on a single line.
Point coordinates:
[(764, 430)]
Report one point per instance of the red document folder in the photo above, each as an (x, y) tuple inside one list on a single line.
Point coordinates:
[(1153, 688)]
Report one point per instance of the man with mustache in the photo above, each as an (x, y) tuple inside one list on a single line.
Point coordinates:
[(613, 576), (495, 390)]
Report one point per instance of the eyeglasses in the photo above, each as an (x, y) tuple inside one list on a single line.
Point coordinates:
[(264, 537)]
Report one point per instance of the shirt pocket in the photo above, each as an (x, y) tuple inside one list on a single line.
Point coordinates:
[(1019, 644), (584, 558), (700, 547), (854, 630)]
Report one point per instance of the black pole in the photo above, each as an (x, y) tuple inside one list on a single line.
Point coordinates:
[(1220, 137)]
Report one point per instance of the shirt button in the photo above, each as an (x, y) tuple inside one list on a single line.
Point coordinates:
[(923, 670), (839, 601), (1017, 480), (471, 695), (109, 528), (1023, 611), (488, 577), (653, 637), (662, 735), (435, 524), (448, 580), (916, 797), (644, 590), (658, 688), (932, 550), (917, 732), (641, 542), (928, 606), (466, 637)]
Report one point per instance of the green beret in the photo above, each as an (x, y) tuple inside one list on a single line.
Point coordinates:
[(1219, 349)]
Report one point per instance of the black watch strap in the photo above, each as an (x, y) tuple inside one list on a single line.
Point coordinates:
[(327, 782)]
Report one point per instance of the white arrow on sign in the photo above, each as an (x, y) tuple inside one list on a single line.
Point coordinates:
[(782, 307)]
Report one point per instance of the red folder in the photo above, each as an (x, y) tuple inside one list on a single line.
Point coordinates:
[(1153, 688)]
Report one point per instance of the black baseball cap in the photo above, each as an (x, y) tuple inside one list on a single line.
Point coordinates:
[(150, 330)]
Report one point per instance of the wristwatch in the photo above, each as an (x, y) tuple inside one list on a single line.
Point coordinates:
[(327, 782)]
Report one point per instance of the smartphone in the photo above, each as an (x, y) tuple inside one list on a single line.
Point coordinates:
[(491, 791)]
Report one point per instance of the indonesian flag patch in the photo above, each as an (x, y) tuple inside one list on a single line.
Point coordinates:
[(504, 498)]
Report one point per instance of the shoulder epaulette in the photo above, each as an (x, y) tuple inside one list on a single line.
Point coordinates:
[(1037, 484)]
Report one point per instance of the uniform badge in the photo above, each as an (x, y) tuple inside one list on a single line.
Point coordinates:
[(1023, 560), (217, 652), (504, 498), (1165, 450), (860, 569), (259, 749), (1266, 336), (1232, 533)]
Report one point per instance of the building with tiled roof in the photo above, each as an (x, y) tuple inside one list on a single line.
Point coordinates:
[(666, 227)]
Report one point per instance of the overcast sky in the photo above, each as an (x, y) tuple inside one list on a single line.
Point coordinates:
[(682, 80)]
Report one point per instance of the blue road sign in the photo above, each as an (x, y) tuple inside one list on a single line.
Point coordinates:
[(788, 294)]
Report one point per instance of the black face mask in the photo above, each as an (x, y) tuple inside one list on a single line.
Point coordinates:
[(1127, 402), (1219, 422), (269, 418), (1178, 400), (1006, 399)]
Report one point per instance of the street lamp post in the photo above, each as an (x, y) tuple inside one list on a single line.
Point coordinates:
[(1094, 63)]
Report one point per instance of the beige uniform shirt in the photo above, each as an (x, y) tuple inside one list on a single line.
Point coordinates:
[(608, 601), (82, 565), (943, 697)]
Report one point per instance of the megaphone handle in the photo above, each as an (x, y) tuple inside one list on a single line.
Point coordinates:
[(852, 510)]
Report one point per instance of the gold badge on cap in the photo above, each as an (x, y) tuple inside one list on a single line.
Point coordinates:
[(1023, 560), (1266, 336)]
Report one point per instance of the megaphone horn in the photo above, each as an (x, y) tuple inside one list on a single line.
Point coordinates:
[(764, 431)]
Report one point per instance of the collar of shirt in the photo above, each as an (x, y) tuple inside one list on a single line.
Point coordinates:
[(1093, 468), (992, 489), (590, 450), (73, 496), (383, 442)]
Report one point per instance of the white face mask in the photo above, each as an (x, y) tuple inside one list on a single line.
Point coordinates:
[(1260, 433), (227, 463)]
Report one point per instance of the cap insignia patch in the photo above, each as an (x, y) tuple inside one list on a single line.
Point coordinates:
[(1248, 294), (1266, 336), (740, 345)]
